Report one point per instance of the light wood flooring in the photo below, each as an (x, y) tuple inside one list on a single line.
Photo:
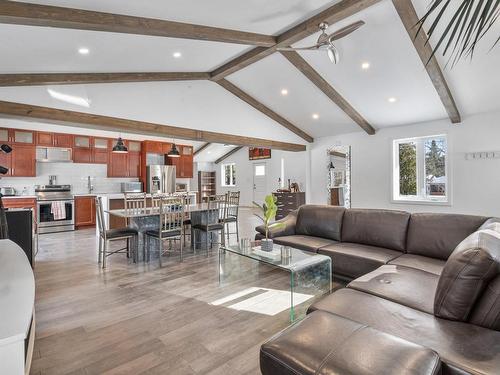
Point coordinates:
[(140, 319)]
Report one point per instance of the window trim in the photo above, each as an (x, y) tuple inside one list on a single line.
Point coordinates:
[(419, 199), (223, 174)]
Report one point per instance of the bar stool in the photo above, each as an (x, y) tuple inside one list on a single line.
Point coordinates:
[(233, 203), (216, 221)]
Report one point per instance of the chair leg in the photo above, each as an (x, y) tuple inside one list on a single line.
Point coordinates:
[(206, 241), (160, 247), (237, 231), (128, 247), (223, 238), (104, 256), (181, 244), (99, 253)]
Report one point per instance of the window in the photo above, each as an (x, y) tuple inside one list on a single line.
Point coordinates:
[(420, 169), (260, 170), (228, 174)]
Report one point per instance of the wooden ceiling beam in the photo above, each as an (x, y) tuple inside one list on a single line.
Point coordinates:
[(410, 19), (233, 89), (228, 154), (333, 14), (38, 79), (306, 69), (203, 147), (17, 13), (93, 121)]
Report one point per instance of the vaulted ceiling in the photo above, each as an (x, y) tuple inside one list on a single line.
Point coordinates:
[(395, 70)]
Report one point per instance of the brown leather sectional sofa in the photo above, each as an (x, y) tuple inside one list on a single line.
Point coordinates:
[(424, 295)]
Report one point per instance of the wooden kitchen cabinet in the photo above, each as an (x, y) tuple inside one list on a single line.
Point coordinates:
[(54, 139), (82, 155), (17, 136), (153, 147), (134, 164), (21, 202), (22, 161), (63, 140), (100, 149), (118, 165), (84, 211), (187, 161)]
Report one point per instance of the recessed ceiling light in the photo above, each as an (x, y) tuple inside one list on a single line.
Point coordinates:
[(209, 152), (315, 116), (284, 92), (177, 55), (365, 65), (392, 99), (83, 51)]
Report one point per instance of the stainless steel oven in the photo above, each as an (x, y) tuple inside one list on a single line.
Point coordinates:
[(55, 208)]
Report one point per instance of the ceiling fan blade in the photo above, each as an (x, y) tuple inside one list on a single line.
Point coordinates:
[(311, 48), (333, 54), (345, 31)]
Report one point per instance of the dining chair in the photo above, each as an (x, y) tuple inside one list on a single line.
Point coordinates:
[(157, 198), (108, 235), (215, 221), (171, 226), (187, 201), (135, 201), (233, 202)]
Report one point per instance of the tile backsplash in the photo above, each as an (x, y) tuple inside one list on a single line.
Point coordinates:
[(68, 173)]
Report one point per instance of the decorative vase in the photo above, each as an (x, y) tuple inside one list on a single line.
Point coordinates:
[(266, 244)]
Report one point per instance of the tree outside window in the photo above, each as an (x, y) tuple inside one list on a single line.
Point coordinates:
[(420, 169), (228, 174)]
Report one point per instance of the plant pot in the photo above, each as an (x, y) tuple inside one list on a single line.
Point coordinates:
[(266, 245)]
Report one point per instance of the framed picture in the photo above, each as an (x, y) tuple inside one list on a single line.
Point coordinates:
[(338, 178), (256, 153)]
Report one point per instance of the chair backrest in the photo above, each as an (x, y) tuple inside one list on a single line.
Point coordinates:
[(100, 216), (233, 202), (135, 201), (218, 203), (157, 198), (171, 214), (187, 201)]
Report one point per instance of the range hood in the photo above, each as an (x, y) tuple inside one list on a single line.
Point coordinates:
[(53, 155)]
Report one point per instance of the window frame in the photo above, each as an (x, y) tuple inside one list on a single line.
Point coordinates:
[(232, 174), (421, 197)]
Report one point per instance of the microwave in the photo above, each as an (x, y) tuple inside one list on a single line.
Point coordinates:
[(131, 187)]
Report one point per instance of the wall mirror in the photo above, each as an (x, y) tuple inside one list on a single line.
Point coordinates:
[(339, 176)]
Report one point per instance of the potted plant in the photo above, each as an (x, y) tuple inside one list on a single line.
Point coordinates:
[(269, 209)]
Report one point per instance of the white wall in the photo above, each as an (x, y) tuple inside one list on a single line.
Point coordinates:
[(68, 173), (295, 170), (475, 183)]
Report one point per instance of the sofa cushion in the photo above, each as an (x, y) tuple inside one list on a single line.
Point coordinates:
[(343, 347), (470, 268), (486, 312), (487, 224), (420, 262), (463, 346), (353, 260), (383, 228), (308, 243), (288, 229), (408, 286), (437, 235), (320, 221)]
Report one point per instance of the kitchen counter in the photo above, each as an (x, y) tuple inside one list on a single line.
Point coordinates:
[(19, 196), (16, 306)]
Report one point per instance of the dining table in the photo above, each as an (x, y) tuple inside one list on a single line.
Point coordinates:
[(148, 218)]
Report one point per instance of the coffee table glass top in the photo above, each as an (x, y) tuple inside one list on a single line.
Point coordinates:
[(297, 260), (310, 275)]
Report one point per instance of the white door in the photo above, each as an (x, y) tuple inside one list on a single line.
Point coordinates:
[(259, 182)]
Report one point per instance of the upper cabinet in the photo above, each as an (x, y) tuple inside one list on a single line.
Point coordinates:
[(88, 149), (82, 141), (54, 139), (17, 136), (153, 147), (100, 150), (20, 161), (184, 163)]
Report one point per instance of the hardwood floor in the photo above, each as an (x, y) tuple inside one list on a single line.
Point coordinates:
[(139, 319)]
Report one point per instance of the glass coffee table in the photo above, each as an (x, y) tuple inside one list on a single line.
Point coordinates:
[(310, 274)]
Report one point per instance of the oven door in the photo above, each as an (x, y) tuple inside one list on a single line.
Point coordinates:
[(55, 213)]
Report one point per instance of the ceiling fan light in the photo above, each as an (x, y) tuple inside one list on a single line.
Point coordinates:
[(333, 54)]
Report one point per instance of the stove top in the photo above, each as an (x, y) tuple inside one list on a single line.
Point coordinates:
[(53, 192)]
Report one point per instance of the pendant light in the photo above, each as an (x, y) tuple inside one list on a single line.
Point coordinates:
[(174, 153), (120, 147)]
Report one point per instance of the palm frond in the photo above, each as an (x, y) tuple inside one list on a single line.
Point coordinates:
[(466, 27)]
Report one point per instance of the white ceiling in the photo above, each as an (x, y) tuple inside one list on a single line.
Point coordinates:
[(396, 69)]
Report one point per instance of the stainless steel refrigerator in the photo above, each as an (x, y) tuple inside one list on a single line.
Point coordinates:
[(160, 179)]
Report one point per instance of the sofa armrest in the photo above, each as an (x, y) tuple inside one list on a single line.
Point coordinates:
[(289, 229)]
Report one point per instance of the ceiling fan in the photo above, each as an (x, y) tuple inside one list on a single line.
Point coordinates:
[(325, 41)]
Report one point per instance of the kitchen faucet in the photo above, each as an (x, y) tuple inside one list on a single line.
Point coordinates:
[(90, 187)]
